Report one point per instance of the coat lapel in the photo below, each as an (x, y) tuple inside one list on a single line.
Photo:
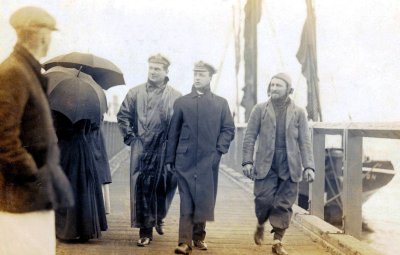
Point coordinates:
[(289, 113), (270, 112)]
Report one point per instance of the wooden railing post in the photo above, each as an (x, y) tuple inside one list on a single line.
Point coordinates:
[(237, 160), (352, 184), (318, 186)]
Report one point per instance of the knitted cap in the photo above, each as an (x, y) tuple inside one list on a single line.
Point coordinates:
[(284, 77)]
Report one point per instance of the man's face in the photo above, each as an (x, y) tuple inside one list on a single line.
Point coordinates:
[(44, 37), (278, 88), (157, 73), (201, 79)]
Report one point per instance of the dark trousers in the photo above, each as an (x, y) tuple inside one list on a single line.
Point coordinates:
[(188, 230), (274, 196), (146, 232)]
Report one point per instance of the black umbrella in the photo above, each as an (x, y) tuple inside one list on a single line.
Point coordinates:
[(75, 94), (103, 71)]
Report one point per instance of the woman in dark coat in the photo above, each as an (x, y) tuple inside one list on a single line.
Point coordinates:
[(87, 218)]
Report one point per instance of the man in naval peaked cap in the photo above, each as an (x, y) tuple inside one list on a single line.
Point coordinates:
[(201, 131)]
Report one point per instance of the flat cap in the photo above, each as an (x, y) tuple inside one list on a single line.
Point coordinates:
[(202, 66), (31, 17), (159, 59)]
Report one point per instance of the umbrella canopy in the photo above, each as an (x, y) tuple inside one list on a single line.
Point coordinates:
[(103, 71), (75, 94)]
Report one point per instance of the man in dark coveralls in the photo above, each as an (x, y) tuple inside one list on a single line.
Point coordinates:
[(284, 147), (201, 131), (143, 119)]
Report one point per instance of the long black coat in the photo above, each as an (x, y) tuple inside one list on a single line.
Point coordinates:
[(201, 130), (102, 165), (30, 176)]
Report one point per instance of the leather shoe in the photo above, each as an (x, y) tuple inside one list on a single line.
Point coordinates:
[(144, 241), (277, 248), (183, 249), (159, 228), (259, 234), (201, 245)]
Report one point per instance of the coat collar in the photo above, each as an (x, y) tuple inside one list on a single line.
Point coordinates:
[(269, 110), (207, 91), (290, 112), (27, 56), (151, 85), (22, 53)]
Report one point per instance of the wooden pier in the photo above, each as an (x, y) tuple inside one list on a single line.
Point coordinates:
[(232, 231)]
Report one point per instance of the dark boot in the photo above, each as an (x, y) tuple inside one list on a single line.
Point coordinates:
[(159, 227), (200, 245), (259, 234), (183, 249), (277, 248)]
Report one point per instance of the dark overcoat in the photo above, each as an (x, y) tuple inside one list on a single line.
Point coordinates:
[(30, 176), (262, 125), (201, 129), (102, 165)]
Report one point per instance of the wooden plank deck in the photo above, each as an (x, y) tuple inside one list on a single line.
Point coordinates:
[(231, 233)]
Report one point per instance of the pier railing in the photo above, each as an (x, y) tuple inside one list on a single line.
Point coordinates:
[(113, 138), (352, 135)]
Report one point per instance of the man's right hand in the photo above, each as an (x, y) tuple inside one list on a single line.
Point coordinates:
[(248, 171), (170, 168), (128, 139)]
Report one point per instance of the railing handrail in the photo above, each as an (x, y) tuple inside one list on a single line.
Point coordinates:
[(352, 133)]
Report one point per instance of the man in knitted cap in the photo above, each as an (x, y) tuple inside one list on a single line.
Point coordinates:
[(32, 183), (201, 131), (284, 148), (143, 119)]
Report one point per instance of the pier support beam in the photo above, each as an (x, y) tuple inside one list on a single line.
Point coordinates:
[(352, 184), (318, 186)]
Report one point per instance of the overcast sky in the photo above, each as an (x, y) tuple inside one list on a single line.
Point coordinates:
[(358, 45)]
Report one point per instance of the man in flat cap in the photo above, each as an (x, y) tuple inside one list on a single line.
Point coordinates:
[(143, 119), (284, 147), (201, 131), (32, 183)]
